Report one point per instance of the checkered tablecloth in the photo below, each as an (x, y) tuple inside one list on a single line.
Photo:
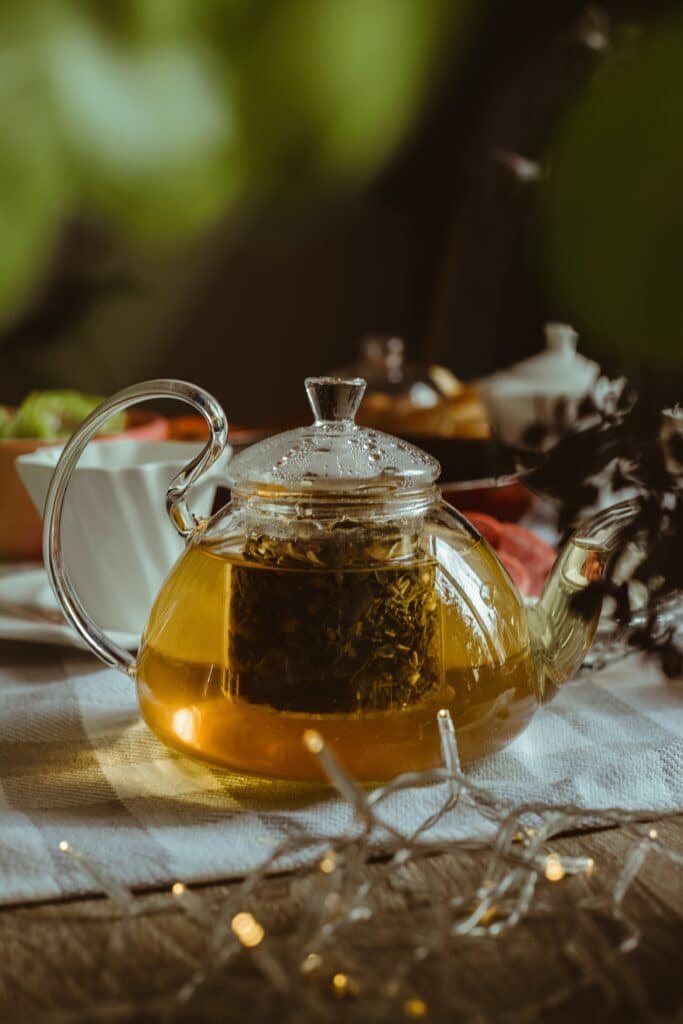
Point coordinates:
[(76, 763)]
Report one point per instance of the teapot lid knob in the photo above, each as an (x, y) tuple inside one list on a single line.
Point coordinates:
[(335, 399)]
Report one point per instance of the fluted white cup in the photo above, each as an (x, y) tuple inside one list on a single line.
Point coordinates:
[(118, 542)]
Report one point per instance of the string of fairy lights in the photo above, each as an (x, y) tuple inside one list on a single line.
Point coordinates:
[(319, 959)]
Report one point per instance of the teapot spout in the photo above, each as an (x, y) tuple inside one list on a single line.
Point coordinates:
[(561, 632)]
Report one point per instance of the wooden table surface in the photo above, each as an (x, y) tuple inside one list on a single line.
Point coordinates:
[(80, 960)]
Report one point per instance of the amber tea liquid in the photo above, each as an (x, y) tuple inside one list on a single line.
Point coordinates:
[(261, 653)]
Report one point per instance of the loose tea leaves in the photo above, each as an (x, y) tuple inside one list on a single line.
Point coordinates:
[(338, 625)]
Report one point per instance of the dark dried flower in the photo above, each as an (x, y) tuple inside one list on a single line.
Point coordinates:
[(616, 446)]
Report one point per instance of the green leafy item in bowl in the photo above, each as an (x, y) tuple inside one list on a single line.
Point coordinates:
[(54, 414)]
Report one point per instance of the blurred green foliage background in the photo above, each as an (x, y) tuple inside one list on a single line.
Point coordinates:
[(615, 199), (161, 116), (160, 119)]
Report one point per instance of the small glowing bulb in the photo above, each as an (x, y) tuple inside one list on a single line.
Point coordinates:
[(311, 963), (63, 846), (177, 888), (415, 1008), (489, 915), (442, 714), (247, 929), (653, 833), (328, 862), (554, 871), (313, 741), (590, 866), (524, 835), (340, 984)]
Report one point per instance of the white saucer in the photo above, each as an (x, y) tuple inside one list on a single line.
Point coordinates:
[(27, 586)]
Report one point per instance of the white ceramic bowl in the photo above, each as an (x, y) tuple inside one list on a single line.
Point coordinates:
[(118, 542)]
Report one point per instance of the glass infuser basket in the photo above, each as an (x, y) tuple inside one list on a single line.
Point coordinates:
[(336, 591)]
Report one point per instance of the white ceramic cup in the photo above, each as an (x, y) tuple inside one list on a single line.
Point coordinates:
[(118, 542)]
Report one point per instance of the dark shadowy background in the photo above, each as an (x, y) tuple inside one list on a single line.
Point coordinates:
[(437, 248)]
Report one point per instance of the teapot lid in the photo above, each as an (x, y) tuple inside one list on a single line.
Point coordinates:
[(333, 453)]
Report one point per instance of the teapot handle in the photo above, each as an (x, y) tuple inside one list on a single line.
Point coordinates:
[(176, 498)]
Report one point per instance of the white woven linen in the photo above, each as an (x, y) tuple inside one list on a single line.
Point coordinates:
[(77, 763)]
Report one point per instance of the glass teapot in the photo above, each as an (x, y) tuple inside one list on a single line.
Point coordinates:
[(336, 591)]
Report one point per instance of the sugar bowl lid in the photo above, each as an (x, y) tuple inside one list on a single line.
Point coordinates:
[(333, 453)]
